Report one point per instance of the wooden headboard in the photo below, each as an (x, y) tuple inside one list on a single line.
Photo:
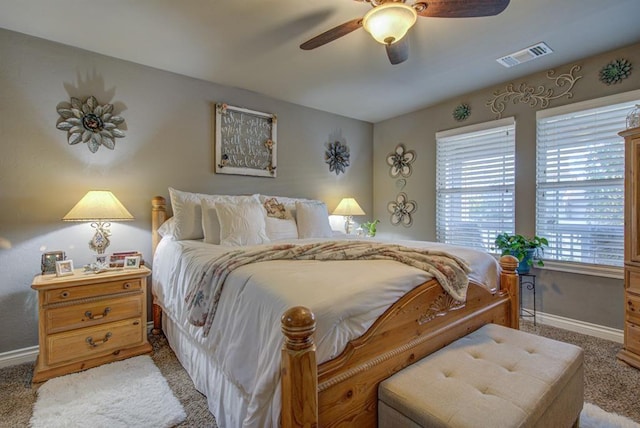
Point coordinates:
[(158, 216)]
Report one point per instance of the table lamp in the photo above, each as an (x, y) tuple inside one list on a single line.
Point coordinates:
[(348, 207), (100, 207)]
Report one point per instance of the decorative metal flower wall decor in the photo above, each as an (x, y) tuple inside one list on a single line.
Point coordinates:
[(400, 161), (401, 210), (90, 123), (461, 112), (337, 156), (615, 71)]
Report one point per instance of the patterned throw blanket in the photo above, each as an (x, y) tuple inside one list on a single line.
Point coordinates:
[(203, 296)]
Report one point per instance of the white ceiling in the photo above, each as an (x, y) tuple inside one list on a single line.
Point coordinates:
[(253, 44)]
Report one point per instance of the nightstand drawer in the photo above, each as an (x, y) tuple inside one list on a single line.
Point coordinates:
[(93, 341), (93, 313), (632, 337), (92, 290)]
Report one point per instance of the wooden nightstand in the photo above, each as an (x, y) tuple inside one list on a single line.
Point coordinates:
[(88, 319)]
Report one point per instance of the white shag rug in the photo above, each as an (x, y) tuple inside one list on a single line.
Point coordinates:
[(593, 416), (127, 393)]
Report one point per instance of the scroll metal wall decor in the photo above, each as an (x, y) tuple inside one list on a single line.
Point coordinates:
[(245, 141), (534, 96)]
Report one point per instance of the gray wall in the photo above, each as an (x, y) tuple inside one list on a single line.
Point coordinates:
[(588, 298), (169, 142)]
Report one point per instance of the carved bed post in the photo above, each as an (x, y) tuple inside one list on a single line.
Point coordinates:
[(299, 369), (158, 216), (509, 282)]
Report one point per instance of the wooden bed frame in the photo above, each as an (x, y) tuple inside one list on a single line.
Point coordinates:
[(343, 391)]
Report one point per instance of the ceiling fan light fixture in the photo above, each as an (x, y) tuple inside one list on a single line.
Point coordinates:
[(389, 22)]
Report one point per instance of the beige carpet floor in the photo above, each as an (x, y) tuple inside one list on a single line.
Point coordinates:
[(610, 384)]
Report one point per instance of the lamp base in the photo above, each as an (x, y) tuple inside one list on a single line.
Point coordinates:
[(100, 240), (348, 224)]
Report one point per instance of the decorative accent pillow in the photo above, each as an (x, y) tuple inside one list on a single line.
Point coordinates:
[(275, 209), (313, 220), (279, 229), (241, 223), (289, 203)]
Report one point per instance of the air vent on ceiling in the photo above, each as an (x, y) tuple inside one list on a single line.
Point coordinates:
[(526, 54)]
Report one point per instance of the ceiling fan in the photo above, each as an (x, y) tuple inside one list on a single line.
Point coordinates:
[(389, 21)]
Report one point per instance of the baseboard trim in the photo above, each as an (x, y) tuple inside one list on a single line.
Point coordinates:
[(19, 356), (582, 327), (29, 355)]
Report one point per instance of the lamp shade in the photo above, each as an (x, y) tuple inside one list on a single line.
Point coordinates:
[(98, 205), (348, 206), (389, 22)]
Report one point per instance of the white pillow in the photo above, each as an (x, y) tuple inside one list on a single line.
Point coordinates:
[(210, 222), (187, 214), (313, 220), (242, 223), (168, 228), (278, 229), (187, 210)]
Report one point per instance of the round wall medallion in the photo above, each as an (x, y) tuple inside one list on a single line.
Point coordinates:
[(615, 71), (461, 112)]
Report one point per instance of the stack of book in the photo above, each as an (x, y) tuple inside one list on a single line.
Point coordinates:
[(116, 260)]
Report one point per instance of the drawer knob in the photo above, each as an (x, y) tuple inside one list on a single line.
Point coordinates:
[(126, 286), (64, 294), (93, 344), (89, 315)]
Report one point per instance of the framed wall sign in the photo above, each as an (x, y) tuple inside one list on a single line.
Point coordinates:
[(245, 141)]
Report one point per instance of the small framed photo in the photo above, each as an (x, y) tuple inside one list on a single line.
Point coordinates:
[(132, 262), (49, 259), (64, 267)]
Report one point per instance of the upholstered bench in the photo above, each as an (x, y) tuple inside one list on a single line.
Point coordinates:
[(494, 377)]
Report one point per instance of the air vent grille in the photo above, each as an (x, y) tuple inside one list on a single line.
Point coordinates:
[(526, 54)]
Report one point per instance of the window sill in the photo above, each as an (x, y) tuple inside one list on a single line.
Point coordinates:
[(616, 272)]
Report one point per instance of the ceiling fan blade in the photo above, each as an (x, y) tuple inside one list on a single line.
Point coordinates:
[(460, 8), (398, 52), (332, 34)]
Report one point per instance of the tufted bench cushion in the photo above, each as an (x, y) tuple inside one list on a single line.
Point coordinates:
[(493, 377)]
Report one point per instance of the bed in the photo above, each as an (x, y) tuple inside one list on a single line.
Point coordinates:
[(300, 367)]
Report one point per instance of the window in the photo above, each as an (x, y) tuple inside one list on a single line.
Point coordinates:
[(475, 173), (580, 180)]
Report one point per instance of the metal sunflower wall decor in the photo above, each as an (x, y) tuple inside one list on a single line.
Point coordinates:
[(337, 156), (89, 122), (461, 112), (401, 210), (616, 71), (400, 161)]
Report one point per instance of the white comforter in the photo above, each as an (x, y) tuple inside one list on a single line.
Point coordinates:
[(245, 339)]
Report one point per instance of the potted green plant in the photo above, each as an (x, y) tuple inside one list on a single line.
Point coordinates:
[(370, 227), (523, 248)]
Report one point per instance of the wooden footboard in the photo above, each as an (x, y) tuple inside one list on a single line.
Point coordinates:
[(343, 391), (423, 321)]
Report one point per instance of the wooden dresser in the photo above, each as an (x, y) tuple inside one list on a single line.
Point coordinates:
[(631, 351), (88, 319)]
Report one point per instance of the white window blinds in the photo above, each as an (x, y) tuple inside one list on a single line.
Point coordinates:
[(580, 183), (475, 183)]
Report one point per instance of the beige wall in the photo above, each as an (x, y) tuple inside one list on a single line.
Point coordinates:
[(587, 298), (168, 143)]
